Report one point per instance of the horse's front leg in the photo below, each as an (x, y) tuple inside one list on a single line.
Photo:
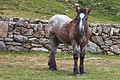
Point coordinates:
[(75, 57), (82, 55)]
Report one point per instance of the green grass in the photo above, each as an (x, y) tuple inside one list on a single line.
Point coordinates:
[(44, 9), (33, 66)]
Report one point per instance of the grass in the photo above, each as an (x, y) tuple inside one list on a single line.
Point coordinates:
[(33, 66), (106, 12)]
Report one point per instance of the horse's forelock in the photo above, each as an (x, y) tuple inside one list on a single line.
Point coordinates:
[(82, 10)]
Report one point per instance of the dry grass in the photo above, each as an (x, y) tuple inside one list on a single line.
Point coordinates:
[(33, 66)]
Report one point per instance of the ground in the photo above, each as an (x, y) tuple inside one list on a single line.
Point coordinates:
[(34, 66)]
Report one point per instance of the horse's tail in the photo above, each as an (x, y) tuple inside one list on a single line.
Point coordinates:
[(51, 28)]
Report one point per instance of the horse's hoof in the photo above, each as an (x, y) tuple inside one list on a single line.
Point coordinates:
[(82, 73), (55, 71), (76, 75)]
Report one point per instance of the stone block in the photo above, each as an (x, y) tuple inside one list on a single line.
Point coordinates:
[(33, 40), (115, 49), (16, 48), (27, 45), (27, 32), (2, 46), (36, 45), (92, 47), (106, 30), (8, 39), (17, 30), (44, 21), (20, 38), (108, 42), (10, 34), (38, 27), (39, 49), (39, 34), (13, 43), (44, 41), (3, 29), (110, 53)]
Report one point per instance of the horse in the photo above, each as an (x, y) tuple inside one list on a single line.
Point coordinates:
[(76, 32)]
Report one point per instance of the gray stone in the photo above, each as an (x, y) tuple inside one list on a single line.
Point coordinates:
[(20, 38), (92, 47), (27, 32), (38, 27), (106, 29), (2, 46), (10, 34), (27, 45), (16, 48), (39, 34), (10, 27), (13, 43), (94, 58), (18, 19), (44, 21), (8, 39), (36, 45), (40, 49), (98, 40), (108, 42), (33, 40), (110, 53), (93, 30), (99, 30), (3, 29), (111, 31), (1, 39), (44, 41), (17, 30), (115, 49), (59, 50)]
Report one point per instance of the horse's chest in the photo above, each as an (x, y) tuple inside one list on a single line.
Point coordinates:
[(79, 38)]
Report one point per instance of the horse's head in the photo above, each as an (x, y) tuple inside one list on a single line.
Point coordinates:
[(82, 17)]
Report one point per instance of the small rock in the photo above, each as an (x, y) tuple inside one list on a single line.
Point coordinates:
[(26, 45), (2, 46), (36, 45), (8, 39), (33, 40), (94, 58), (40, 49), (20, 38), (115, 48), (3, 29)]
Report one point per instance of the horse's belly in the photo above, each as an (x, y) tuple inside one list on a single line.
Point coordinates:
[(63, 36)]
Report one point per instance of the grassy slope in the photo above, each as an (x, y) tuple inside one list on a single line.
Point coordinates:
[(33, 66), (44, 9)]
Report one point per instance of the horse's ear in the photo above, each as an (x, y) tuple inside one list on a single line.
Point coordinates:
[(89, 10), (77, 9)]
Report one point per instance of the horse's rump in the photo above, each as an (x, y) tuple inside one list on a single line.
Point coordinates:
[(56, 22)]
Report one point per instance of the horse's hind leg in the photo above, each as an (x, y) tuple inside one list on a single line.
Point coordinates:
[(52, 63)]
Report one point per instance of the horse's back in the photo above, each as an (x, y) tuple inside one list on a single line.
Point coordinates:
[(60, 20)]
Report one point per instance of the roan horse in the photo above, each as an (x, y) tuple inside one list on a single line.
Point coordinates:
[(74, 32)]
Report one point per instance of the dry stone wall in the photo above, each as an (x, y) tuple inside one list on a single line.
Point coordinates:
[(20, 34)]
